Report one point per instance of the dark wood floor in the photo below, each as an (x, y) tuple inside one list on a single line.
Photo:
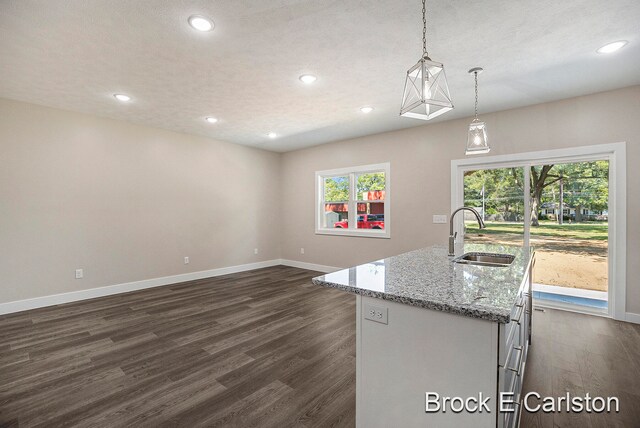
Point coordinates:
[(262, 348), (581, 354)]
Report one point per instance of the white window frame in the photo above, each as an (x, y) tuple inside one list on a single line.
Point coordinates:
[(352, 172), (615, 153)]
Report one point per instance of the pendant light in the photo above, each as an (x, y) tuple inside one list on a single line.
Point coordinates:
[(426, 93), (477, 142)]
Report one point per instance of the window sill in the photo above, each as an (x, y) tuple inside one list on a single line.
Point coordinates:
[(366, 233)]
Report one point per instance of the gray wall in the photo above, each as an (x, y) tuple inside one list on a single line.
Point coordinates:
[(124, 202), (128, 202), (421, 164)]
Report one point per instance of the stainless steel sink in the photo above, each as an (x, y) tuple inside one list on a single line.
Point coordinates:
[(485, 259)]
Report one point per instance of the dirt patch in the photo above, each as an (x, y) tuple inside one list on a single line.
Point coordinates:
[(574, 263)]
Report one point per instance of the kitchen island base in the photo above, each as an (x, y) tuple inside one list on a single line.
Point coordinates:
[(421, 351), (440, 343)]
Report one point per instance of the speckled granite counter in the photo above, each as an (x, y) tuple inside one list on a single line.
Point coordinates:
[(428, 278)]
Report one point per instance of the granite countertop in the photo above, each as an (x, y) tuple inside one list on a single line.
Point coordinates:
[(429, 279)]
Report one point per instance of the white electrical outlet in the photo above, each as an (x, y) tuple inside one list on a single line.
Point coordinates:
[(186, 260), (376, 313), (301, 250), (439, 218), (79, 274), (255, 251)]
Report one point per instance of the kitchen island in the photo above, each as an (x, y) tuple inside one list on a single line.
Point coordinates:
[(429, 328)]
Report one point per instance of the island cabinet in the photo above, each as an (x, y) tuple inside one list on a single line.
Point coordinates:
[(514, 339), (422, 355)]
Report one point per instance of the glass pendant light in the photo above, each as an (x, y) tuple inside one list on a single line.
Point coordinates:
[(477, 142), (426, 93)]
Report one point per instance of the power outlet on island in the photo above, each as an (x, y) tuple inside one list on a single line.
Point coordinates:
[(376, 313)]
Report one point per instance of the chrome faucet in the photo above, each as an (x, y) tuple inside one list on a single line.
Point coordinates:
[(452, 236)]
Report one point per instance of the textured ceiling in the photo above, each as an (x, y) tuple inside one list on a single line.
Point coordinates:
[(75, 54)]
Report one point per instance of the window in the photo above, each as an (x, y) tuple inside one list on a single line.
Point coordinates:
[(360, 194)]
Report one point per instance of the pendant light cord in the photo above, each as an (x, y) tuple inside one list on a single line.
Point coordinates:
[(424, 30), (476, 76)]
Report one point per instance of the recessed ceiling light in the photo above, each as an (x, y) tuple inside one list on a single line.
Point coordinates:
[(211, 119), (200, 23), (272, 135), (122, 97), (612, 47), (308, 78), (366, 109)]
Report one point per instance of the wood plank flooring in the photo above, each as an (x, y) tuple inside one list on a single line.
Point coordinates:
[(263, 348), (578, 353)]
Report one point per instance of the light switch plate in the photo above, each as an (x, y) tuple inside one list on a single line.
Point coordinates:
[(439, 218), (376, 313)]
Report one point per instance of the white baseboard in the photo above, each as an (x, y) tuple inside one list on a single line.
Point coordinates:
[(309, 266), (58, 299), (631, 317), (92, 293)]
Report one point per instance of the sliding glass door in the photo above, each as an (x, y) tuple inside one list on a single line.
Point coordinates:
[(569, 230), (561, 209)]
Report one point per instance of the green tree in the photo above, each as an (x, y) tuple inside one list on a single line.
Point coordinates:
[(370, 181), (336, 189), (503, 190), (585, 185), (540, 178)]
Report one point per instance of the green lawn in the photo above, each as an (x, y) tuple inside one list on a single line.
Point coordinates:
[(588, 231)]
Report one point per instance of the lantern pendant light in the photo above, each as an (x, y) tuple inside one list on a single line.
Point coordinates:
[(426, 93), (477, 142)]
